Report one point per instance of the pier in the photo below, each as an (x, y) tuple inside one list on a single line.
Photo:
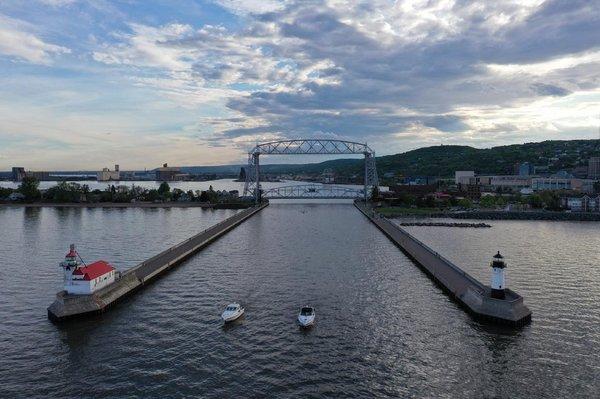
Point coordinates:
[(67, 306), (471, 294)]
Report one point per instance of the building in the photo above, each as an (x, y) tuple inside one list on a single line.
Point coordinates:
[(562, 183), (86, 279), (18, 173), (328, 176), (167, 173), (524, 169), (39, 176), (594, 168), (108, 175), (583, 204), (463, 176)]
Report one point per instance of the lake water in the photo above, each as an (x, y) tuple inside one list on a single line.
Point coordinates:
[(383, 328)]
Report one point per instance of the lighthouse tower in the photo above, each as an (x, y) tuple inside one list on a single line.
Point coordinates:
[(70, 264), (498, 281)]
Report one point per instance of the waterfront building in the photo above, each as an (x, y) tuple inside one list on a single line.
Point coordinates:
[(85, 279), (594, 168), (167, 173), (18, 173), (107, 175), (583, 204)]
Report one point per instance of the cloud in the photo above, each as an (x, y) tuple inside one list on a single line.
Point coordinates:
[(17, 42), (398, 74), (549, 90)]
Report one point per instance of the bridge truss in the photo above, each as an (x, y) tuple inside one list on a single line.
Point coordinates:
[(308, 147), (313, 191)]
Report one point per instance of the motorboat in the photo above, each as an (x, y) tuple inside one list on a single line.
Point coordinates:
[(232, 312), (306, 318)]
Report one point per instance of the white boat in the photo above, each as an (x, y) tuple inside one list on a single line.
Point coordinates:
[(232, 312), (306, 318)]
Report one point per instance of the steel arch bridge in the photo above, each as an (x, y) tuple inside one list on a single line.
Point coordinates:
[(308, 147), (312, 191)]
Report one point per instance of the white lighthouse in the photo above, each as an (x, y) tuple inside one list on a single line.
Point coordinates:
[(498, 281), (70, 264)]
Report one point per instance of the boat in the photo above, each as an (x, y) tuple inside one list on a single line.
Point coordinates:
[(232, 312), (306, 318)]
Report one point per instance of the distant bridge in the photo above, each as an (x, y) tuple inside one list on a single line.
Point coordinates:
[(313, 191), (309, 147)]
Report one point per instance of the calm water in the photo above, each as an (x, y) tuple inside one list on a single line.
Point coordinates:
[(383, 329)]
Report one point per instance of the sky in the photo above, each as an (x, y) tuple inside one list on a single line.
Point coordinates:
[(89, 83)]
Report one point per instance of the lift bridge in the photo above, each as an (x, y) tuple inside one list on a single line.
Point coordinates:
[(309, 147)]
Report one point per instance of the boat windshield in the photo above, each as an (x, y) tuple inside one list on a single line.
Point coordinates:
[(306, 311), (231, 308)]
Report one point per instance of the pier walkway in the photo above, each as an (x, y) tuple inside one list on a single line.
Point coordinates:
[(68, 306), (466, 290)]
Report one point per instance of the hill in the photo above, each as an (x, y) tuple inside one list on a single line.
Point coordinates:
[(443, 161)]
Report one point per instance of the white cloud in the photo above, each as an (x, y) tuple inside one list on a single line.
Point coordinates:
[(252, 6), (16, 41)]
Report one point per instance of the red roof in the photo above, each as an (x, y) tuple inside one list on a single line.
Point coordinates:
[(94, 270)]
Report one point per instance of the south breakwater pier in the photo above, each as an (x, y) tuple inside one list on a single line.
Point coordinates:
[(478, 299), (68, 306)]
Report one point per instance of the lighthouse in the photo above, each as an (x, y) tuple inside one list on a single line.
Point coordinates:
[(70, 264), (498, 281), (82, 279)]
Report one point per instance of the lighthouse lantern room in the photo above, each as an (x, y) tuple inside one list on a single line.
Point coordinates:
[(498, 281), (82, 279)]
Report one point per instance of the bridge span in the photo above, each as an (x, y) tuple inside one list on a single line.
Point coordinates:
[(313, 191)]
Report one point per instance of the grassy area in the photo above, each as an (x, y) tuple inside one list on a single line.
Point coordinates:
[(393, 211)]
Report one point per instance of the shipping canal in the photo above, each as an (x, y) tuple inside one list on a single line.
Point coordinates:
[(383, 328)]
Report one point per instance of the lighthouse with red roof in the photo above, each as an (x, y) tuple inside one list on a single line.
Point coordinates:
[(82, 279)]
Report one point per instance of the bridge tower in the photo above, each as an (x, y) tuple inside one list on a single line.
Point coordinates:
[(308, 147)]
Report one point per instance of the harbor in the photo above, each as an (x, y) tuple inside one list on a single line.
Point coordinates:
[(69, 306), (478, 299)]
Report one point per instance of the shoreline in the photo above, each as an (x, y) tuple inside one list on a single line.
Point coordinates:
[(123, 205)]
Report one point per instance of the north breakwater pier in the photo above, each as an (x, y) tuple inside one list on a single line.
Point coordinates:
[(475, 297), (69, 306)]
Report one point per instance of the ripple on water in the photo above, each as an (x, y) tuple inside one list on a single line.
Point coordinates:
[(383, 328)]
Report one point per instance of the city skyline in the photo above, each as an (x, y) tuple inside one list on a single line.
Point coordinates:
[(86, 84)]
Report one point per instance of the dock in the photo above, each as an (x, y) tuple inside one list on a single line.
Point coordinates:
[(471, 294), (68, 306)]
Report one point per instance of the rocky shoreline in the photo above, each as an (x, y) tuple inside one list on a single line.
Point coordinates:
[(511, 215), (445, 224)]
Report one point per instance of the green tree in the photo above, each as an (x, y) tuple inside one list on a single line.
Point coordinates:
[(29, 188), (375, 193), (164, 190), (465, 203), (489, 201)]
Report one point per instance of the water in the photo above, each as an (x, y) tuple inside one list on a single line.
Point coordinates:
[(383, 328)]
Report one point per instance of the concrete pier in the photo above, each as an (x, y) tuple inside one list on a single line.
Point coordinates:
[(67, 306), (465, 289)]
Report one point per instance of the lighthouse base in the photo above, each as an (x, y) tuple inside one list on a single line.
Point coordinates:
[(497, 294)]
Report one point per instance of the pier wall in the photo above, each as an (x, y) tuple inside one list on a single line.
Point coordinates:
[(69, 306), (465, 289)]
